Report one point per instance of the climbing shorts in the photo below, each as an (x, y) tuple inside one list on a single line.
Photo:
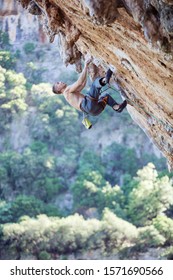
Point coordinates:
[(92, 106)]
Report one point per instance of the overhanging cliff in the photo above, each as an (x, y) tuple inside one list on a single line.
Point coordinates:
[(136, 37)]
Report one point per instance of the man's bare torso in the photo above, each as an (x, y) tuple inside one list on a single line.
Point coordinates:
[(73, 98)]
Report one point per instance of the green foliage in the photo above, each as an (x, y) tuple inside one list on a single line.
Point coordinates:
[(89, 161), (149, 236), (122, 161), (22, 205), (18, 54), (25, 205), (87, 187), (86, 191), (44, 235), (118, 233), (112, 198), (34, 73), (4, 40), (43, 255), (39, 147), (119, 160), (93, 191), (165, 227), (12, 96), (150, 197), (168, 253), (28, 174), (29, 47), (160, 163), (49, 234), (5, 212), (14, 79), (7, 60)]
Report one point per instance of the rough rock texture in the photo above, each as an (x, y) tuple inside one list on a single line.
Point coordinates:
[(136, 37)]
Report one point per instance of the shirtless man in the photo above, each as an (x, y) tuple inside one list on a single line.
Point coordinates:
[(92, 103)]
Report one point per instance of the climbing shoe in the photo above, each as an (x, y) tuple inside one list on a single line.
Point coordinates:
[(108, 76), (121, 107), (106, 79)]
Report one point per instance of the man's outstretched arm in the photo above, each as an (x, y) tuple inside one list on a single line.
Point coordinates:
[(81, 82)]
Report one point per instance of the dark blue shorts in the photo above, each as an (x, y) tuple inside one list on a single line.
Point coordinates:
[(92, 107), (93, 103)]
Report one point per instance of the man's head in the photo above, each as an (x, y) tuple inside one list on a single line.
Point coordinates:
[(59, 87)]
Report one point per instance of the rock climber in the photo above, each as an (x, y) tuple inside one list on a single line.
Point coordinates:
[(93, 103)]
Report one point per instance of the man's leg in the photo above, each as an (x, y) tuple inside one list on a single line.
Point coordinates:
[(99, 83), (95, 89), (106, 80), (112, 103), (120, 107)]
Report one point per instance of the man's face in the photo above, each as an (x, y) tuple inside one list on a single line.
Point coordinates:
[(59, 86)]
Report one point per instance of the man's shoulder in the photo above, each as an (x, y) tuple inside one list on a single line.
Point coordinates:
[(68, 89)]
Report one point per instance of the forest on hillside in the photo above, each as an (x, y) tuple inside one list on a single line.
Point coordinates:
[(59, 196)]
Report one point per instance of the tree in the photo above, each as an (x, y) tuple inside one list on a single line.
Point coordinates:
[(119, 160), (111, 198), (7, 60), (164, 225), (149, 236), (12, 96), (86, 191), (28, 173), (118, 233), (4, 40), (5, 212), (29, 47), (151, 196)]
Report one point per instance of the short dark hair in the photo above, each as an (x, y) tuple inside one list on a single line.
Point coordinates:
[(54, 89)]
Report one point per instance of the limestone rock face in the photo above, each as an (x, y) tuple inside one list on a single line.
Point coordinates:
[(136, 37)]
